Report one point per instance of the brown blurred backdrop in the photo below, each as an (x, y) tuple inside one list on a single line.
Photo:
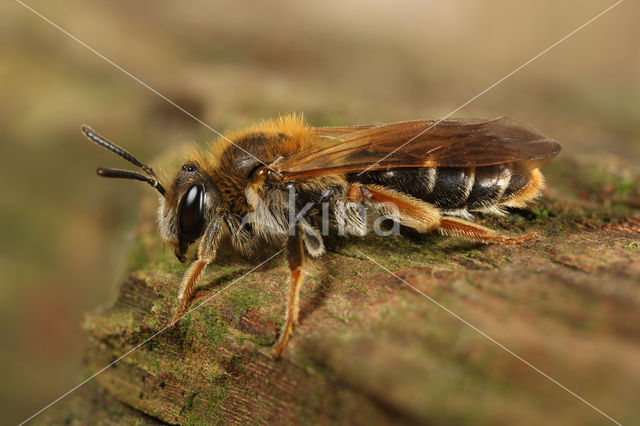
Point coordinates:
[(64, 232)]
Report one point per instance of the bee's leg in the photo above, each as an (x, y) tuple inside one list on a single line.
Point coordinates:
[(466, 229), (402, 208), (423, 216), (295, 255), (187, 287), (206, 254)]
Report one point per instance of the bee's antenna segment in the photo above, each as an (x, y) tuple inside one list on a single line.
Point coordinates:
[(123, 174), (128, 174), (94, 137)]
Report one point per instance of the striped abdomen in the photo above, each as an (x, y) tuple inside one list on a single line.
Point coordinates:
[(452, 189)]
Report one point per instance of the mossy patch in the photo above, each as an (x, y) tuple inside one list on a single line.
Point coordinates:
[(240, 301), (211, 329), (217, 395), (541, 213), (632, 246)]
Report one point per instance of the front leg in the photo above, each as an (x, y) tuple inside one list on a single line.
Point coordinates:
[(295, 255), (187, 287), (206, 254)]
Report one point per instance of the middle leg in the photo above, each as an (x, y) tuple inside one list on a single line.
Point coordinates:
[(295, 255)]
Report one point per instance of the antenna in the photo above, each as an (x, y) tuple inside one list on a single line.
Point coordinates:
[(123, 174)]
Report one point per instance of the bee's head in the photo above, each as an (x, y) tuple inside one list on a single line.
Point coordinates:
[(185, 208), (188, 207)]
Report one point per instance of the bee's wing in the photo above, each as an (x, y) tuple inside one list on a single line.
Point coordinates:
[(448, 143), (341, 132)]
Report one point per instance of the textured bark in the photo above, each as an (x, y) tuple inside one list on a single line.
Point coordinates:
[(370, 349)]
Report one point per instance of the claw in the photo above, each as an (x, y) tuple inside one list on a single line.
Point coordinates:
[(175, 319), (282, 341)]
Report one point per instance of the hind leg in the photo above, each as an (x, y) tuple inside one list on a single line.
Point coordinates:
[(422, 216), (465, 229)]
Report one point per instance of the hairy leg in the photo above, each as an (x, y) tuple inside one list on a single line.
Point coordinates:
[(403, 208), (465, 229), (206, 254), (423, 216), (295, 255)]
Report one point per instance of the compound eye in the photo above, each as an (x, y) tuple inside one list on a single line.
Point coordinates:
[(191, 214)]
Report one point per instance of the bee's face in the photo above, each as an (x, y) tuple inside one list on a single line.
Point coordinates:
[(187, 209)]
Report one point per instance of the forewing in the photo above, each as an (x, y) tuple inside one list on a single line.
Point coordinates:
[(445, 143)]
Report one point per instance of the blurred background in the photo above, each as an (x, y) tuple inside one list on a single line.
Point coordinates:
[(64, 232)]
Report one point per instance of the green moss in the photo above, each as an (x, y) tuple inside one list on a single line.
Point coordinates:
[(634, 245), (215, 328), (155, 362), (243, 300), (541, 212), (191, 417), (121, 320), (179, 371), (217, 396)]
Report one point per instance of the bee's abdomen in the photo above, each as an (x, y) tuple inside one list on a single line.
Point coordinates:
[(491, 185), (450, 188)]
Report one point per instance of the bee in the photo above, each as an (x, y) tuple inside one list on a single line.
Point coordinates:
[(288, 183)]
